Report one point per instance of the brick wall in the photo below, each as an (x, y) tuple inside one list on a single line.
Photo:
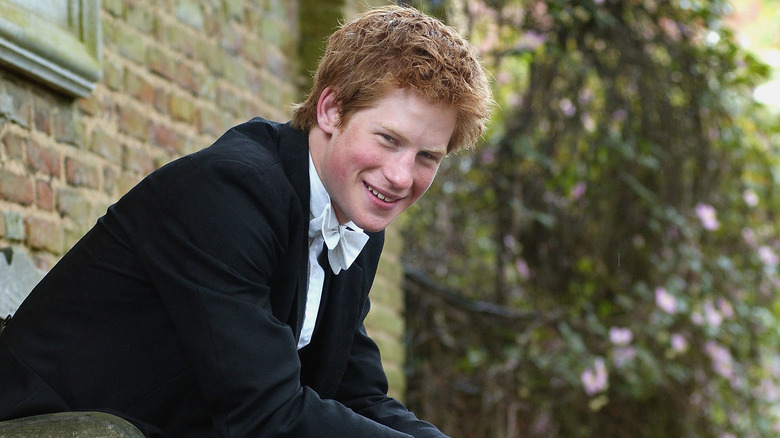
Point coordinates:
[(176, 74)]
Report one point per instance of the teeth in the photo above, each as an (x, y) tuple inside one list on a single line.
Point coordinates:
[(379, 195)]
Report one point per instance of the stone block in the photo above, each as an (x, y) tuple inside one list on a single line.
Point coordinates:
[(14, 226), (18, 276), (70, 425)]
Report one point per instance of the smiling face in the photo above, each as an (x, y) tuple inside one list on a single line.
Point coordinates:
[(383, 159)]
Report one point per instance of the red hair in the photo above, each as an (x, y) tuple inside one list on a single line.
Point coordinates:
[(400, 47)]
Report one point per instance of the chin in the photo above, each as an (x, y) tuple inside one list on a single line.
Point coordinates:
[(372, 227)]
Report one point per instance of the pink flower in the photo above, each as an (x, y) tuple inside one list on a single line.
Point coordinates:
[(624, 355), (679, 343), (707, 216), (665, 301), (595, 380), (620, 336), (750, 197), (714, 318), (750, 236), (722, 362), (768, 256), (578, 191), (523, 270), (725, 308)]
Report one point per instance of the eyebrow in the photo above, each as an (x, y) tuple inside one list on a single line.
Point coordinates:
[(393, 131)]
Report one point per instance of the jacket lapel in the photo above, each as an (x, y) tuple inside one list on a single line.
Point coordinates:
[(325, 359), (294, 152)]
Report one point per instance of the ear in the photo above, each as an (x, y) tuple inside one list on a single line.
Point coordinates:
[(328, 111)]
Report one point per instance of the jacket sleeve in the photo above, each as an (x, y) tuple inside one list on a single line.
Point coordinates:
[(211, 250), (364, 389)]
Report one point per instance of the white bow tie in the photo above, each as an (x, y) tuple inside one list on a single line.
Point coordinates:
[(344, 242)]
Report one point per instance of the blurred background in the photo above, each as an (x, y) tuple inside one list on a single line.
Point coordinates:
[(606, 262)]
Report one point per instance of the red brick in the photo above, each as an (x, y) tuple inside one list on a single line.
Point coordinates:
[(106, 146), (138, 161), (253, 50), (182, 40), (96, 104), (42, 116), (132, 122), (139, 87), (182, 108), (43, 159), (44, 196), (90, 105), (64, 126), (81, 174), (188, 78), (231, 40), (165, 137), (109, 181), (161, 63), (161, 100), (43, 234), (16, 188), (73, 204)]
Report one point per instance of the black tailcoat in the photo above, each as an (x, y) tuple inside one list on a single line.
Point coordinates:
[(181, 308)]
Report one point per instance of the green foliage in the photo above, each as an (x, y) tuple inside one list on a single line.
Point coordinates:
[(624, 207)]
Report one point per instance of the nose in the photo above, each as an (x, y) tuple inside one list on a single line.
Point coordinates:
[(399, 171)]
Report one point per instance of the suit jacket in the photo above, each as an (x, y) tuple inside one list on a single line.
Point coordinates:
[(181, 308)]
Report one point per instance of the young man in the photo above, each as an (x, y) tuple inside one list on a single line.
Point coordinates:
[(225, 294)]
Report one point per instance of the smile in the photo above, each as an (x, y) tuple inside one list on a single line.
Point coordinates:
[(379, 195)]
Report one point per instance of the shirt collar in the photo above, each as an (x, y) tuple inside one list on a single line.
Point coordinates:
[(319, 196)]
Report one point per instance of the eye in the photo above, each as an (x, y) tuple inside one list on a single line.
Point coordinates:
[(388, 139), (430, 156)]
